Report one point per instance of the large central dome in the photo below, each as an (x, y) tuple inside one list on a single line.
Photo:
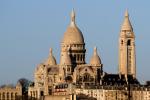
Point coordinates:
[(73, 35)]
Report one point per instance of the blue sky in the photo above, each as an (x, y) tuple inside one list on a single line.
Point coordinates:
[(28, 28)]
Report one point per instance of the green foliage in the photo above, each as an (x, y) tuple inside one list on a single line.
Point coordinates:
[(25, 83)]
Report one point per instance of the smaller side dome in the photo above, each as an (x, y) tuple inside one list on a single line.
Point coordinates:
[(65, 59), (95, 59), (51, 59)]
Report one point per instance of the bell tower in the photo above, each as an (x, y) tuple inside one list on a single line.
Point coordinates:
[(127, 56)]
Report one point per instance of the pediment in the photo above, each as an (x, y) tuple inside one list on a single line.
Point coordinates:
[(86, 69)]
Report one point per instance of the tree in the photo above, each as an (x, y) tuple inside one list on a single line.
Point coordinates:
[(25, 84)]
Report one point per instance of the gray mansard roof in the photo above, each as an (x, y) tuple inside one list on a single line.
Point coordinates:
[(116, 79)]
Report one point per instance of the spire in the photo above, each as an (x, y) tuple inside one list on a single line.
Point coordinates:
[(95, 50), (126, 13), (72, 23), (51, 51), (51, 59), (127, 56), (126, 24)]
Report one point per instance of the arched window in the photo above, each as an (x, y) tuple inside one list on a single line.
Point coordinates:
[(7, 96), (75, 57), (129, 42), (81, 58), (31, 93), (78, 57), (15, 95), (121, 42), (0, 96), (42, 93), (3, 98), (12, 97), (86, 77)]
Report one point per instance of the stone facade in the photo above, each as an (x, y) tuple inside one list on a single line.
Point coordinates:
[(104, 92), (11, 93), (127, 63), (72, 78), (72, 67)]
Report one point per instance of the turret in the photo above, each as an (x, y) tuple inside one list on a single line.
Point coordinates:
[(127, 56), (95, 59), (51, 59)]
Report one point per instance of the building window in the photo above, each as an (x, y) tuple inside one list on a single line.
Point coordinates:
[(12, 96), (129, 42), (68, 69), (0, 96), (3, 96), (15, 95), (78, 57), (121, 42), (129, 60), (7, 96), (31, 93), (81, 58), (42, 93)]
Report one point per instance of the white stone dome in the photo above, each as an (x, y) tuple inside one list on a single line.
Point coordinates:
[(73, 35)]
